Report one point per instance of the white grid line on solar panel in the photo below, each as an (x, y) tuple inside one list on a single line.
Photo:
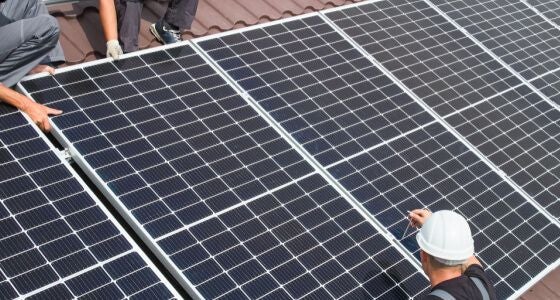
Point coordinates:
[(510, 29), (549, 8), (471, 212), (412, 40), (151, 221), (46, 260), (320, 111), (549, 85), (237, 229), (523, 150)]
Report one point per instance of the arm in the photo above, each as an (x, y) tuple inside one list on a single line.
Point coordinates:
[(37, 112), (108, 16)]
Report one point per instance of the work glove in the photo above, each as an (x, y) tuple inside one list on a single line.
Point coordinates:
[(114, 49)]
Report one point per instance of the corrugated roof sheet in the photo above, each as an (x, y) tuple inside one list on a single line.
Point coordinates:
[(82, 35), (82, 40)]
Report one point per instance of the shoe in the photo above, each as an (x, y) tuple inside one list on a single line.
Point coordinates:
[(164, 34)]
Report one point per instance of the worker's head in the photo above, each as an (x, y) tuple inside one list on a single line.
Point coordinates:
[(445, 241)]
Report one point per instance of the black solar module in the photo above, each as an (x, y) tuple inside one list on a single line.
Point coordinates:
[(229, 203), (326, 94), (56, 242), (512, 30), (302, 241), (520, 133), (432, 57)]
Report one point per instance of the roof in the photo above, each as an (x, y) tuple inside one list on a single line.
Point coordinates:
[(82, 40), (82, 35)]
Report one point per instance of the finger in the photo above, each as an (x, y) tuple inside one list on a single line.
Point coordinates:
[(46, 125), (50, 70), (52, 111)]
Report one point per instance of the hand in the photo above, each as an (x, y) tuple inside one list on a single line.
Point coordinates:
[(41, 69), (40, 114), (114, 49), (418, 217)]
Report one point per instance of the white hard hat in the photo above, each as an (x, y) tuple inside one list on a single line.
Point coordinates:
[(447, 237)]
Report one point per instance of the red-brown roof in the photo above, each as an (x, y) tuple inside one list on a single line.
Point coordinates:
[(82, 36), (82, 40)]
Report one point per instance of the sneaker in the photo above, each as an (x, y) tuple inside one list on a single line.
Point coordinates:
[(164, 34)]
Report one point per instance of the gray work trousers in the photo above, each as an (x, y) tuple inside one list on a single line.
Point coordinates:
[(28, 37), (180, 13)]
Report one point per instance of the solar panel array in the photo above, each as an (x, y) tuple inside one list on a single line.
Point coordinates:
[(427, 167), (56, 241), (235, 208), (280, 161)]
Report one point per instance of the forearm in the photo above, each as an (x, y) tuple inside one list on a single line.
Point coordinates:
[(108, 16), (13, 98)]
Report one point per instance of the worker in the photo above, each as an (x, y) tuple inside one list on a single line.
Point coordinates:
[(167, 30), (29, 44), (447, 257)]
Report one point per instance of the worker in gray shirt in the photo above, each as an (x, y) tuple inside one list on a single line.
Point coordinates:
[(28, 44)]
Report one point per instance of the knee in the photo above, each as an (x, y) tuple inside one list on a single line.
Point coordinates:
[(48, 28)]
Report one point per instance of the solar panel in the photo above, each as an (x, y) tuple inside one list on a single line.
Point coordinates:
[(56, 240), (432, 57), (317, 86), (512, 30), (519, 132), (230, 206), (301, 241), (431, 168), (499, 138)]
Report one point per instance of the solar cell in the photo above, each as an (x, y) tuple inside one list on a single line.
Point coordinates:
[(431, 168), (323, 91), (512, 30), (432, 57), (227, 203), (56, 239)]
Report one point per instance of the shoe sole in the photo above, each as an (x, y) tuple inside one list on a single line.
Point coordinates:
[(156, 34)]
